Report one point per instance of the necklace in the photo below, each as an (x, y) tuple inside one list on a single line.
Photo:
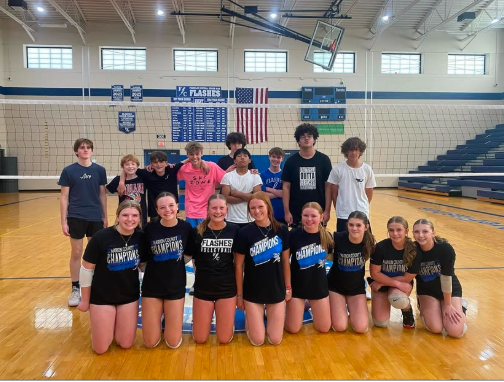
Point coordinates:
[(122, 237), (268, 229), (220, 231)]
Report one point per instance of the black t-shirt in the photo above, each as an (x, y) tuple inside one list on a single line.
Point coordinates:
[(135, 190), (391, 260), (346, 275), (226, 161), (214, 261), (115, 280), (157, 184), (440, 260), (165, 274), (307, 178), (308, 273), (263, 281)]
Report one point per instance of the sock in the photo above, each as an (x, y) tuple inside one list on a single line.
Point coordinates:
[(75, 284)]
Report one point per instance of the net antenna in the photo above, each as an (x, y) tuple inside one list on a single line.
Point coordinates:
[(324, 45)]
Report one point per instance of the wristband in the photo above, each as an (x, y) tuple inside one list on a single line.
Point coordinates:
[(288, 287)]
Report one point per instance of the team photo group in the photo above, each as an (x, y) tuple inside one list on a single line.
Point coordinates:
[(257, 241)]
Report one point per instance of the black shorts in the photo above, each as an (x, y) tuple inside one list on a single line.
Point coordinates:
[(172, 296), (304, 295), (456, 292), (211, 297), (79, 228)]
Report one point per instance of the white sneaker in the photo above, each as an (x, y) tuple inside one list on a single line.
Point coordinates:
[(75, 297)]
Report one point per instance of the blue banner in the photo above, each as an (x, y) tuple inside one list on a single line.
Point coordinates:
[(127, 121), (117, 93), (136, 93)]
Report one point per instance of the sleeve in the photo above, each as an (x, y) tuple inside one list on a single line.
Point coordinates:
[(292, 240), (220, 163), (197, 244), (142, 246), (285, 238), (415, 266), (219, 174), (447, 259), (338, 236), (326, 169), (144, 256), (177, 167), (181, 173), (257, 180), (143, 174), (333, 176), (190, 248), (286, 173), (64, 179), (377, 256), (103, 176), (242, 246), (225, 179), (93, 250), (112, 186), (371, 181)]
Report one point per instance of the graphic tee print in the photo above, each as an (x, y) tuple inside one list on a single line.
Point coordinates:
[(307, 178)]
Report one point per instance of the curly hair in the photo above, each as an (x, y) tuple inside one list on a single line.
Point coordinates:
[(353, 143), (236, 138), (306, 128)]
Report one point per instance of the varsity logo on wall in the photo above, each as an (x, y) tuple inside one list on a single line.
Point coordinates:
[(127, 122), (239, 315)]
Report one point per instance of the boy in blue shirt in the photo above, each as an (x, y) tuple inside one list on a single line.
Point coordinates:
[(83, 206), (272, 182)]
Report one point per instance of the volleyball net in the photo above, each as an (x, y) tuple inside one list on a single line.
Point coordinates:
[(431, 140)]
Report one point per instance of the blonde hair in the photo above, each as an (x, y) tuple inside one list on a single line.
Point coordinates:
[(326, 239), (193, 146), (129, 204), (128, 158), (201, 228), (260, 195), (410, 250), (437, 239)]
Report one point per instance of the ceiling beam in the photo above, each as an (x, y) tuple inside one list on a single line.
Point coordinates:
[(69, 19), (377, 16), (478, 15), (285, 21), (428, 15), (392, 21), (124, 19), (80, 11), (348, 11), (448, 19), (20, 22), (180, 21)]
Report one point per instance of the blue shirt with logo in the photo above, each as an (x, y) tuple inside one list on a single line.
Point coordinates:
[(274, 180)]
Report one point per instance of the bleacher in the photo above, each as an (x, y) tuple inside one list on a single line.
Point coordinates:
[(483, 154)]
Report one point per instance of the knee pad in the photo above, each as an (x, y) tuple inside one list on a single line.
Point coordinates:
[(381, 324), (399, 300)]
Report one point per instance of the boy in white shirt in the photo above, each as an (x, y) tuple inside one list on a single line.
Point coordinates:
[(238, 186)]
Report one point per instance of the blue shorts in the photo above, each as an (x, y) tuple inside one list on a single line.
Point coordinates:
[(194, 221)]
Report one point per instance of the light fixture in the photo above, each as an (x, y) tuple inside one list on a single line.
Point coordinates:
[(52, 25), (496, 20), (40, 9), (385, 18), (273, 15), (160, 12)]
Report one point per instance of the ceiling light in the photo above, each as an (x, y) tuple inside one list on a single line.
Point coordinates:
[(273, 15), (385, 18), (160, 12), (52, 25), (40, 9), (496, 20)]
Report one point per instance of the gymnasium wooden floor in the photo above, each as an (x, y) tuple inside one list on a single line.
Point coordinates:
[(41, 338)]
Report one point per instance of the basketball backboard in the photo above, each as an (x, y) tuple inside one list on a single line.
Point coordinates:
[(324, 44)]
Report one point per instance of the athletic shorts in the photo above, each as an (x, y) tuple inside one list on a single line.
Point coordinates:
[(209, 297), (79, 228), (456, 292), (348, 293), (194, 221), (172, 296)]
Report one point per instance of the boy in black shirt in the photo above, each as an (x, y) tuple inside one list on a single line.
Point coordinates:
[(234, 141), (305, 177)]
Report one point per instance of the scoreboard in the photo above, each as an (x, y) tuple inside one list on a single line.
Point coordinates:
[(329, 95)]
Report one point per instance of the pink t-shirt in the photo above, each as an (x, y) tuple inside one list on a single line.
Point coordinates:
[(199, 187)]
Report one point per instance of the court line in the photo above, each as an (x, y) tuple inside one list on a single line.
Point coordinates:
[(21, 201), (444, 205), (28, 226)]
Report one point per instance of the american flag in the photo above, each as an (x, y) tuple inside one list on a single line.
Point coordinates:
[(253, 122)]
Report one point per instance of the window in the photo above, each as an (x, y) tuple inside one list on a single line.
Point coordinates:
[(265, 61), (195, 60), (344, 62), (48, 57), (123, 58), (401, 63), (466, 64)]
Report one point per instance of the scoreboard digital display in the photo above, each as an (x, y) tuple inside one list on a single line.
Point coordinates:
[(323, 95)]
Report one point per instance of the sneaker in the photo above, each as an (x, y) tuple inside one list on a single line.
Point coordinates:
[(464, 306), (368, 295), (191, 291), (75, 297), (408, 319)]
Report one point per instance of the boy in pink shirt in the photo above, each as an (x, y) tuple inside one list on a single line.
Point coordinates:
[(198, 185)]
